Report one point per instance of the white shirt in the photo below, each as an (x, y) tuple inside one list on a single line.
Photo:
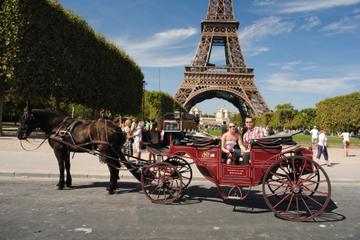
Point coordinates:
[(314, 133), (137, 135), (346, 136), (322, 140)]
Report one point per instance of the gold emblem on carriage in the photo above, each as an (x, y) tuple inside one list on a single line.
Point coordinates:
[(207, 154)]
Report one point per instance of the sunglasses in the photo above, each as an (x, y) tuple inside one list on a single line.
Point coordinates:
[(231, 126)]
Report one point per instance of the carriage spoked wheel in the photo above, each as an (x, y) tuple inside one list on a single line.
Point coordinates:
[(296, 188), (183, 168), (161, 182)]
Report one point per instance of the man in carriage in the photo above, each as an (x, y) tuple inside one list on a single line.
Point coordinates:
[(251, 133)]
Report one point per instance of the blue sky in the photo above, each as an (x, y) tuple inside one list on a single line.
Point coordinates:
[(302, 51)]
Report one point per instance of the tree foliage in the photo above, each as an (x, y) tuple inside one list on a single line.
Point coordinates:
[(48, 52), (156, 104), (334, 114), (339, 113)]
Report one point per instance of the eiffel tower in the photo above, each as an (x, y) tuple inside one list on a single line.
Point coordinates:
[(233, 82)]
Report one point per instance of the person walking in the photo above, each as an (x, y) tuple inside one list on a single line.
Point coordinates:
[(138, 139), (128, 146), (346, 141), (314, 136), (322, 148)]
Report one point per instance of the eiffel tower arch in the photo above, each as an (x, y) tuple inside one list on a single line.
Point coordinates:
[(233, 82)]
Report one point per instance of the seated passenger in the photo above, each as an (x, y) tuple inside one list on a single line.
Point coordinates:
[(228, 142), (251, 134)]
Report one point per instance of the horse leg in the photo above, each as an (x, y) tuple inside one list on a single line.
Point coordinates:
[(60, 157), (113, 166), (67, 167)]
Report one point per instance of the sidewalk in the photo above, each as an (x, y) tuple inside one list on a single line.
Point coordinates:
[(14, 161)]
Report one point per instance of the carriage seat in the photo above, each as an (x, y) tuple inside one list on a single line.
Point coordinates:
[(268, 143), (200, 140)]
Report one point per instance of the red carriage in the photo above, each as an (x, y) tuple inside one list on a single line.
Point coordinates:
[(293, 185)]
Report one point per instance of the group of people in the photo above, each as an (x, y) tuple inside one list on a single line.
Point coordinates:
[(319, 139), (138, 135), (235, 144)]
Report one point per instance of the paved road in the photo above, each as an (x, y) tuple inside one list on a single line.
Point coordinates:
[(32, 209)]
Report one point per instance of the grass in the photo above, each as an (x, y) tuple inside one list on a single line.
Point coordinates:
[(300, 138), (305, 139)]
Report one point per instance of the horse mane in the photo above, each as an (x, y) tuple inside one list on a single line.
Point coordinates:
[(49, 119)]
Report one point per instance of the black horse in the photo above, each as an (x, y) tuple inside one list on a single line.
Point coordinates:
[(102, 136)]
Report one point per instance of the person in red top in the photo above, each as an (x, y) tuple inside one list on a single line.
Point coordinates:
[(251, 133)]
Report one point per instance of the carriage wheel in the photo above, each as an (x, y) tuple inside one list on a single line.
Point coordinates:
[(274, 188), (161, 182), (183, 168), (296, 188)]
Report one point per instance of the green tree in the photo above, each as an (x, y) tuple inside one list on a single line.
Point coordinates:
[(282, 116), (52, 56), (156, 104), (339, 113)]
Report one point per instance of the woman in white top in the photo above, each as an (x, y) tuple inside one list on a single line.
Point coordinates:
[(322, 147), (228, 142), (137, 134), (346, 141)]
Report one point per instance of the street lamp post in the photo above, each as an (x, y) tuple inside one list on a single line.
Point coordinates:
[(143, 100)]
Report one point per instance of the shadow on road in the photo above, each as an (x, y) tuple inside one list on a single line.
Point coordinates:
[(123, 187), (254, 203)]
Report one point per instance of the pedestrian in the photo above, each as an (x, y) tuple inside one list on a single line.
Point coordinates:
[(346, 141), (206, 129), (223, 128), (128, 145), (138, 141), (322, 148), (154, 139), (314, 136), (134, 124)]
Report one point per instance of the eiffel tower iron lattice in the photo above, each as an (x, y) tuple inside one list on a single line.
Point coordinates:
[(233, 82)]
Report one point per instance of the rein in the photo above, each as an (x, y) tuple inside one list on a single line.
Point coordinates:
[(36, 148)]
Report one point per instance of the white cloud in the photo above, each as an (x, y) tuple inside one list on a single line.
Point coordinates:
[(313, 5), (163, 49), (263, 28), (310, 23), (348, 24), (262, 3), (251, 35), (286, 82), (258, 50), (290, 65)]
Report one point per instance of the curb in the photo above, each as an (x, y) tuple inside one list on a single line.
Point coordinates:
[(127, 177), (87, 176)]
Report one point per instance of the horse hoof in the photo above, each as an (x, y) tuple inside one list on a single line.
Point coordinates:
[(60, 187), (69, 185), (111, 192)]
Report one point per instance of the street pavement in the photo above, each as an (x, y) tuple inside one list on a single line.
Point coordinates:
[(14, 161), (31, 208)]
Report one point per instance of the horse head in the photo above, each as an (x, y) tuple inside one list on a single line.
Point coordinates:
[(28, 123)]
